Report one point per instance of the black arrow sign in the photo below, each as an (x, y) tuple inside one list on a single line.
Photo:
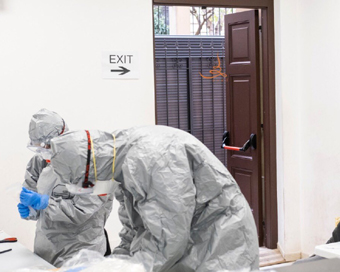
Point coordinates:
[(123, 71)]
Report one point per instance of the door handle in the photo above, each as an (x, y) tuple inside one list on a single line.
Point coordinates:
[(250, 143)]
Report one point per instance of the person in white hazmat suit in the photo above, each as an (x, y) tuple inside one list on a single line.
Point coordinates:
[(54, 244), (178, 202)]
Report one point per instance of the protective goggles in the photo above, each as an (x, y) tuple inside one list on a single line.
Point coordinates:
[(37, 148)]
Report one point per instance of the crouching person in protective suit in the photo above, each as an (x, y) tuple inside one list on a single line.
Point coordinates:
[(178, 202)]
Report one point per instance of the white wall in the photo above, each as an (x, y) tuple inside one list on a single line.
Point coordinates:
[(319, 72), (307, 72), (288, 127), (50, 57)]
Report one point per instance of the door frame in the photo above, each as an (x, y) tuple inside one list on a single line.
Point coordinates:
[(269, 109)]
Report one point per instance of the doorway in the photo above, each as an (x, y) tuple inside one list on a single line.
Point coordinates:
[(186, 96)]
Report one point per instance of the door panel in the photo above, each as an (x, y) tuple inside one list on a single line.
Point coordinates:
[(243, 106), (240, 110), (239, 52), (243, 178)]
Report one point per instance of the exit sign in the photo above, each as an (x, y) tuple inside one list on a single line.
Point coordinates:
[(120, 65)]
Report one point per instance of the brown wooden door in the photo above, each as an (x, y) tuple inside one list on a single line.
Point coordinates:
[(243, 106)]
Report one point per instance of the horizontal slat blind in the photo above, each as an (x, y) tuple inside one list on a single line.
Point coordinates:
[(184, 99), (172, 93)]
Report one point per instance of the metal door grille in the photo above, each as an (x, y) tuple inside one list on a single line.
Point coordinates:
[(184, 99)]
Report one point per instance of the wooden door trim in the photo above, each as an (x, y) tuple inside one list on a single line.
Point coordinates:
[(255, 4), (269, 122), (269, 125)]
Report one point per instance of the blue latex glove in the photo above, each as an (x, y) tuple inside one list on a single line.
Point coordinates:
[(23, 210), (33, 199)]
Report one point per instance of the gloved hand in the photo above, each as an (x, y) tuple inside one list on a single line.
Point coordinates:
[(23, 210), (33, 199)]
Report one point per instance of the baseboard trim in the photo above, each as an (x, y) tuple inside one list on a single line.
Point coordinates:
[(305, 255), (289, 257)]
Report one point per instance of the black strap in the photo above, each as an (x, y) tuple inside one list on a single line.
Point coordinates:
[(108, 248)]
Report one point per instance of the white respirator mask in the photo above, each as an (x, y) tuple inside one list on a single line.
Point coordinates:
[(46, 154)]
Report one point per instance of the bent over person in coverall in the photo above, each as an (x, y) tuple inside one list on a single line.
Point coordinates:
[(178, 202), (60, 215)]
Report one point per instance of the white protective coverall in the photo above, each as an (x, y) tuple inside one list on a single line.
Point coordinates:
[(178, 202), (70, 222)]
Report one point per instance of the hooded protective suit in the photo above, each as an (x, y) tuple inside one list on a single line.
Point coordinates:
[(44, 126), (179, 203), (71, 222)]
